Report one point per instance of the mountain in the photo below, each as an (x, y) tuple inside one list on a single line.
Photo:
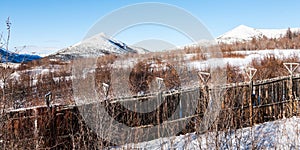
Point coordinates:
[(97, 45), (7, 56), (245, 33), (38, 50)]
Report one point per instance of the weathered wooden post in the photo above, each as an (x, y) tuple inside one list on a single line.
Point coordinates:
[(250, 73), (244, 102), (48, 99), (291, 67), (53, 126), (204, 76)]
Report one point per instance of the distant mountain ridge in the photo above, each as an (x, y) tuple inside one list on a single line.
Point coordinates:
[(100, 44), (8, 56), (245, 33)]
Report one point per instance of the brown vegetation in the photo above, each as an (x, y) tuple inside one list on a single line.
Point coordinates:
[(271, 66)]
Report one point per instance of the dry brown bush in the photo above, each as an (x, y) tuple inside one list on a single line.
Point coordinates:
[(233, 55), (234, 74), (270, 66)]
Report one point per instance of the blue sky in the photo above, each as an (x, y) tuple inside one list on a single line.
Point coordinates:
[(61, 23)]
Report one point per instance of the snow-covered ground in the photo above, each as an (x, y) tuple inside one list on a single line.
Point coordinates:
[(33, 72), (280, 134)]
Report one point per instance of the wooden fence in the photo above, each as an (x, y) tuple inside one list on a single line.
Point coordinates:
[(62, 126)]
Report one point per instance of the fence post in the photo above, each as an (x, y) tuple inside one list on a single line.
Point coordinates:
[(160, 82), (53, 130), (204, 76), (36, 134), (291, 67), (250, 73), (251, 102), (105, 88)]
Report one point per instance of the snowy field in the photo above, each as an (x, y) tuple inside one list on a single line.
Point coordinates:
[(200, 65), (280, 134), (245, 61)]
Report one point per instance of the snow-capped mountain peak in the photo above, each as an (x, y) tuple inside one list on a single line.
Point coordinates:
[(244, 33), (240, 33), (97, 45), (92, 40)]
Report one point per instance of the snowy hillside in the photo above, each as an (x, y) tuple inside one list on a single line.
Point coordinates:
[(97, 45), (245, 33)]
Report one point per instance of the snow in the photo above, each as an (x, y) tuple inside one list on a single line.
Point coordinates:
[(279, 134), (245, 33), (259, 54), (34, 73), (41, 71), (33, 107), (15, 75), (9, 64), (243, 62)]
